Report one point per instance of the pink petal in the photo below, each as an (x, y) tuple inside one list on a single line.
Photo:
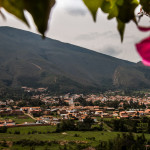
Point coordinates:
[(143, 49), (146, 63), (144, 29)]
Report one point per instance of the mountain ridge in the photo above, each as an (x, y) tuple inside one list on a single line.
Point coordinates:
[(6, 28), (27, 60)]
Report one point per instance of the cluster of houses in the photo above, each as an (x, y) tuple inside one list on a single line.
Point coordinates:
[(7, 122), (102, 98), (54, 114), (29, 89), (71, 99)]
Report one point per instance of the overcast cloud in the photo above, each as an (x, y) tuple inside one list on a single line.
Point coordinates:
[(76, 11)]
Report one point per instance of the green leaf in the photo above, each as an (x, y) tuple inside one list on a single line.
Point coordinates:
[(14, 7), (119, 2), (126, 10), (39, 10), (121, 28), (122, 10), (93, 6), (106, 6), (113, 12)]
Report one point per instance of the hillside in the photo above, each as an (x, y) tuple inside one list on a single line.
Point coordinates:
[(27, 60)]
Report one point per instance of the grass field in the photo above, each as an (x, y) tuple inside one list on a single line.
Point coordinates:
[(85, 136), (52, 147), (17, 119), (45, 133), (60, 136), (26, 130)]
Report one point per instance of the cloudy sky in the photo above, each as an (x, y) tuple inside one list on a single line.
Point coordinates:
[(72, 23)]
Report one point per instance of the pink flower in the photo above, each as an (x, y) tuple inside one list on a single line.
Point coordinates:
[(143, 49)]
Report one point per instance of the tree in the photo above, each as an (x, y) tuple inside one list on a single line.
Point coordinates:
[(85, 125), (124, 142), (3, 129), (66, 125), (82, 101)]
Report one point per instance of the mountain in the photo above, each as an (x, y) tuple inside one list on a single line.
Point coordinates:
[(28, 60)]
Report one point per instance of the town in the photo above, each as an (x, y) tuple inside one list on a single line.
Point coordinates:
[(51, 110)]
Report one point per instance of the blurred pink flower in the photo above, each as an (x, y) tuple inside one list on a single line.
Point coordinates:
[(143, 49)]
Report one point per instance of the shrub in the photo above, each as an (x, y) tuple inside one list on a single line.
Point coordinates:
[(3, 129), (76, 135), (17, 132)]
